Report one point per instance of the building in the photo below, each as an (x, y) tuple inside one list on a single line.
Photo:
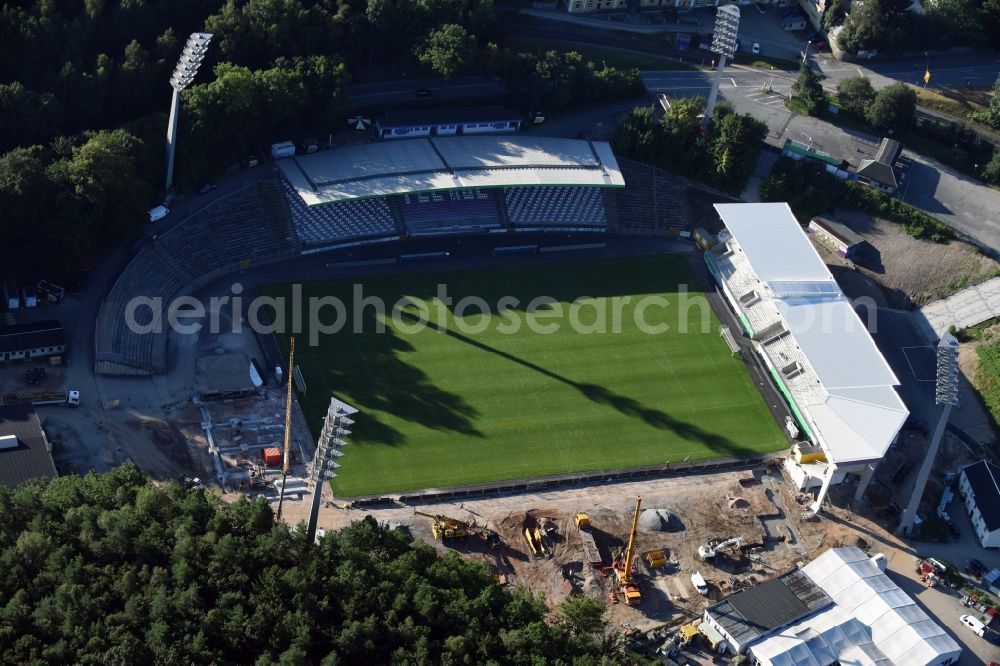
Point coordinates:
[(838, 237), (35, 340), (880, 173), (838, 387), (800, 151), (840, 608), (25, 452), (748, 616), (979, 487), (448, 122), (578, 6)]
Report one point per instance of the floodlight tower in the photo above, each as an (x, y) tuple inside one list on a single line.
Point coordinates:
[(945, 393), (727, 25), (338, 419), (184, 73)]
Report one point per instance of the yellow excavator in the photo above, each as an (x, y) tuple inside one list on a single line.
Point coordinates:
[(623, 567), (448, 528)]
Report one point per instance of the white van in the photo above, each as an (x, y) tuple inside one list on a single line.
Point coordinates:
[(699, 583), (974, 624), (282, 150)]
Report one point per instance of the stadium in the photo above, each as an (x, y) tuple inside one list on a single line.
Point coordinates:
[(453, 409)]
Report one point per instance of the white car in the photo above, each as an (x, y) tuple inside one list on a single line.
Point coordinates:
[(755, 48), (974, 625), (158, 213)]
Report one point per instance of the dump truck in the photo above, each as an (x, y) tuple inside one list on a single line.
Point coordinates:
[(37, 398), (591, 555)]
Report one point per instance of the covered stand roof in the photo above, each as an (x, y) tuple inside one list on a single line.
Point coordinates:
[(447, 163), (846, 389)]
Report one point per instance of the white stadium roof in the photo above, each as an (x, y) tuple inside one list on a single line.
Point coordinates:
[(847, 395), (448, 163)]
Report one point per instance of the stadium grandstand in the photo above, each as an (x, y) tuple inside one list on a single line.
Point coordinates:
[(820, 355), (383, 191), (245, 229)]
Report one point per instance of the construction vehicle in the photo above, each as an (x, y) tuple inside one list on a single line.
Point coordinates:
[(623, 566), (699, 583), (450, 528), (656, 559), (591, 555), (533, 537), (711, 549), (71, 398)]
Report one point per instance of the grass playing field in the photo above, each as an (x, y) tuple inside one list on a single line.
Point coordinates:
[(446, 406)]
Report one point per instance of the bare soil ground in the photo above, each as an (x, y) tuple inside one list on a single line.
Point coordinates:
[(912, 272)]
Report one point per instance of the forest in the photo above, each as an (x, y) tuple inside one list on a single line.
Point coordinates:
[(114, 569)]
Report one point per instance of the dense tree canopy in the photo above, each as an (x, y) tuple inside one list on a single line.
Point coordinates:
[(724, 157), (856, 94), (887, 26), (111, 569), (808, 89), (894, 108)]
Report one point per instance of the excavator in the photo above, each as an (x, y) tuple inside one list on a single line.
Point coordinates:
[(453, 528), (710, 550), (623, 566)]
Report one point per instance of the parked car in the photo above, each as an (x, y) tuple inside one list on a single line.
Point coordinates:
[(974, 624), (955, 532), (975, 568), (158, 213), (755, 48), (206, 188), (422, 92)]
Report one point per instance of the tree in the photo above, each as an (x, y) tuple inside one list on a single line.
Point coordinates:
[(991, 172), (450, 50), (856, 94), (808, 89), (833, 14), (991, 114), (584, 615), (875, 25), (894, 108)]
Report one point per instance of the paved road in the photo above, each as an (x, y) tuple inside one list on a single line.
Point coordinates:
[(388, 92), (975, 69)]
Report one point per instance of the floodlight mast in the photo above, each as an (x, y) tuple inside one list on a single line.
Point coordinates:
[(727, 25), (945, 394), (187, 67), (328, 449)]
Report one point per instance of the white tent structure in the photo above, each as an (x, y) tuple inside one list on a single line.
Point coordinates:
[(873, 622)]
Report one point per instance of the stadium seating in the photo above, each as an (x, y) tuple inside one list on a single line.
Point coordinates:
[(455, 209), (653, 201), (247, 228), (355, 219), (556, 206)]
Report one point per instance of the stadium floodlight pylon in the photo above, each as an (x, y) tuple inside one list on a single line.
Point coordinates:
[(187, 68), (727, 26), (338, 416)]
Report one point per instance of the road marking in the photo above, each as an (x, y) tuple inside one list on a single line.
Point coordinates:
[(734, 82)]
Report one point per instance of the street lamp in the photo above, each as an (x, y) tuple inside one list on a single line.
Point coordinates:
[(727, 25), (187, 68)]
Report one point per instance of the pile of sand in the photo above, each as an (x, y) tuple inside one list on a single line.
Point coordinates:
[(660, 520)]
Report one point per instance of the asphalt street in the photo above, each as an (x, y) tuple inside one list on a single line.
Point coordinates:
[(366, 95)]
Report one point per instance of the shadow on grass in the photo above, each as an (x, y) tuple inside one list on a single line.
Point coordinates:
[(600, 395)]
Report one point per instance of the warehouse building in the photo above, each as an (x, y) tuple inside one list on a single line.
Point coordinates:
[(838, 386), (979, 487), (840, 608), (35, 340), (25, 452)]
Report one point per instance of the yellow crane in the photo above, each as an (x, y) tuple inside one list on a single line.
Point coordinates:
[(288, 428), (623, 568)]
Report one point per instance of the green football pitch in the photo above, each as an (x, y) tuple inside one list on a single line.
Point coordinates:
[(489, 397)]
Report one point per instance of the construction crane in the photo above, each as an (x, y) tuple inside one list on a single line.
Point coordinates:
[(288, 428), (448, 528), (710, 550), (623, 567)]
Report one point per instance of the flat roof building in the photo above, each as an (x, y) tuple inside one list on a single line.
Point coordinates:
[(25, 453), (839, 237), (838, 386), (34, 340), (415, 123)]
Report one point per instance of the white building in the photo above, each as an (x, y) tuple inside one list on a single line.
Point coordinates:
[(979, 486), (817, 350), (871, 622)]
